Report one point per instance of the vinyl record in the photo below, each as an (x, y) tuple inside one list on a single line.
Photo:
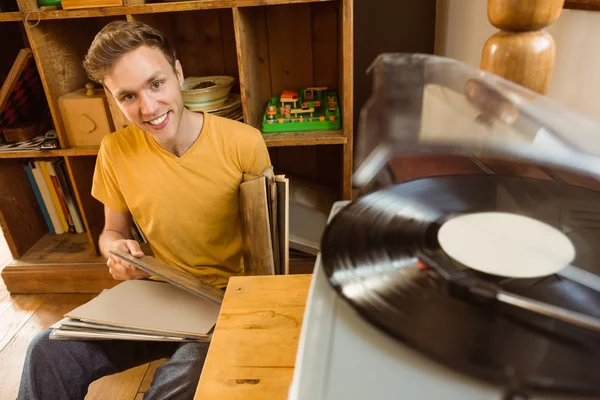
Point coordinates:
[(370, 253)]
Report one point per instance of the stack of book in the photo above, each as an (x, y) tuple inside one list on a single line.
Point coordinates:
[(54, 194)]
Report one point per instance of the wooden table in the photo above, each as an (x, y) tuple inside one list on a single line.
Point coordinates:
[(253, 350)]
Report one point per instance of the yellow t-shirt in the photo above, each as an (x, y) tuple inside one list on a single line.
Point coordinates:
[(186, 206)]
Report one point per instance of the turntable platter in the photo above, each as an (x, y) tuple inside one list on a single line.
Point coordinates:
[(370, 254)]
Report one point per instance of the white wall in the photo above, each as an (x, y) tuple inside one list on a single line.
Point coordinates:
[(462, 28)]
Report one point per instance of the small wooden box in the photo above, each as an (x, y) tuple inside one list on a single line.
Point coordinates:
[(22, 131), (77, 4), (86, 116)]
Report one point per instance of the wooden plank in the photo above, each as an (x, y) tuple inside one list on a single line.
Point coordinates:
[(12, 355), (574, 179), (250, 29), (81, 173), (27, 5), (290, 47), (408, 168), (511, 168), (346, 82), (250, 356), (21, 219), (147, 381), (85, 4), (80, 151), (228, 43), (5, 257), (325, 44), (165, 7), (590, 5), (122, 386), (306, 138), (10, 16), (32, 154), (69, 277), (16, 315)]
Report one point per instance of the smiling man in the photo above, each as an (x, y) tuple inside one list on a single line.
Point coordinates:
[(177, 173)]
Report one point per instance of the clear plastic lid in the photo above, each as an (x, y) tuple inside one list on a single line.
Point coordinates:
[(425, 103)]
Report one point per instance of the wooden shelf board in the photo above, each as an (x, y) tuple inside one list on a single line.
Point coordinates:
[(58, 264), (162, 8), (81, 151), (590, 5), (32, 154), (306, 138), (10, 16), (279, 139), (60, 249)]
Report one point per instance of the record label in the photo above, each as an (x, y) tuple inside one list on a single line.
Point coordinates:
[(505, 244)]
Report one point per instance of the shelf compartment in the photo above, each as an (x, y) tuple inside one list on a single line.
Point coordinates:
[(81, 171), (58, 264), (12, 40), (59, 48), (20, 217), (304, 138), (285, 47), (203, 40)]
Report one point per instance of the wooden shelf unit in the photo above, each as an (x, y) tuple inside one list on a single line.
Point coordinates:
[(268, 45)]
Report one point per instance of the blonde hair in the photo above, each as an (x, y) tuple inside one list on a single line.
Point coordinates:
[(118, 38)]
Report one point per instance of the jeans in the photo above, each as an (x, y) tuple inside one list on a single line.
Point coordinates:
[(63, 369)]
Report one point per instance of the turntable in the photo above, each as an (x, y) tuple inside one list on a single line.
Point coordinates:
[(459, 286)]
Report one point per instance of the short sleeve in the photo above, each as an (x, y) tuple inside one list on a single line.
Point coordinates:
[(257, 158), (105, 187)]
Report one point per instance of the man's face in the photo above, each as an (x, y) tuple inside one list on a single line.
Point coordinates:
[(147, 90)]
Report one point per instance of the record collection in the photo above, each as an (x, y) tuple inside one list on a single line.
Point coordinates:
[(538, 333)]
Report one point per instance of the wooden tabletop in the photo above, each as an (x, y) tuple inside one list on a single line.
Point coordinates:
[(253, 350)]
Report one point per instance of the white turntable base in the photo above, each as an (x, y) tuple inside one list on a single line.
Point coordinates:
[(342, 357)]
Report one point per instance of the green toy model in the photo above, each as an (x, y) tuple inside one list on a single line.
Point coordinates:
[(309, 109), (49, 3)]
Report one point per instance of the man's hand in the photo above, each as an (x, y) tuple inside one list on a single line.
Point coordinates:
[(121, 270)]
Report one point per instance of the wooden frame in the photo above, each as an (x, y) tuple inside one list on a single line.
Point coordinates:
[(592, 5)]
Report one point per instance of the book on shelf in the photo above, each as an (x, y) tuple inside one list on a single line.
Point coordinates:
[(180, 307), (54, 195)]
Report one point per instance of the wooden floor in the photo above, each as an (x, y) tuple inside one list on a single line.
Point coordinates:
[(24, 316)]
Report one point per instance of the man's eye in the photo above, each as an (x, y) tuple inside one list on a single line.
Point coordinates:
[(128, 97), (156, 85)]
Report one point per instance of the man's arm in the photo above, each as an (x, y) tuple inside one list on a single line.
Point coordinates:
[(115, 236)]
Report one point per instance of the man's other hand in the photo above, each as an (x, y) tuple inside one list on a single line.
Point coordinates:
[(121, 270)]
